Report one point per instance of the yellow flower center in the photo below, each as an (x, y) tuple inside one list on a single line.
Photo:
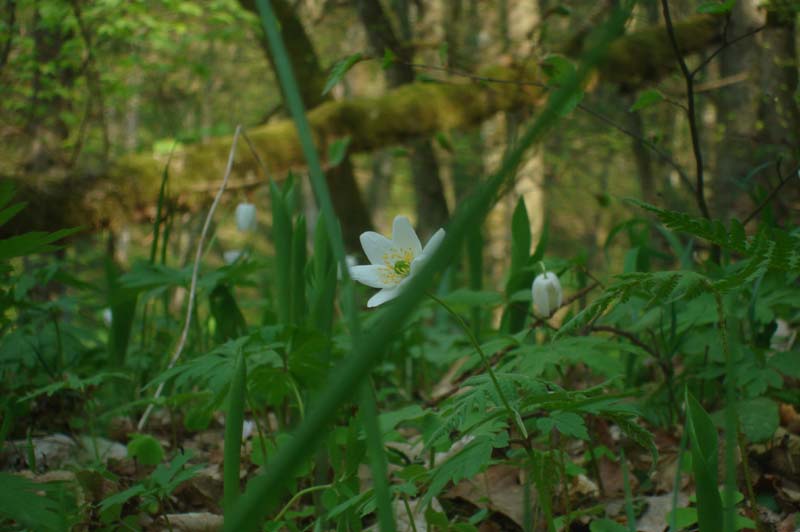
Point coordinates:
[(398, 265), (402, 267)]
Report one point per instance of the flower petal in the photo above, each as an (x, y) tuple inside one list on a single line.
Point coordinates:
[(404, 237), (372, 275), (375, 246), (383, 296), (541, 301), (433, 242)]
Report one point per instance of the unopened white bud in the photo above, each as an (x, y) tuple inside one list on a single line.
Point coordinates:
[(231, 256), (547, 295), (246, 217)]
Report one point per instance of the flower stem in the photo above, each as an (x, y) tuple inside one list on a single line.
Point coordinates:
[(513, 414)]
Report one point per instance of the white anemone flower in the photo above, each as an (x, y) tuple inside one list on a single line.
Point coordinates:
[(245, 217), (547, 295), (393, 261)]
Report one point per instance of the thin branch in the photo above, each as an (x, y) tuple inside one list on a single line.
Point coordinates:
[(625, 334), (726, 43), (664, 156), (692, 115), (193, 286), (773, 192)]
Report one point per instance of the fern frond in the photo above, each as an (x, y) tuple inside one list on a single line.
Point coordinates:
[(777, 249)]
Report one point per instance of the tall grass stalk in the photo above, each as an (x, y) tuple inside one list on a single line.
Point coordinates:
[(264, 491), (195, 272), (233, 433)]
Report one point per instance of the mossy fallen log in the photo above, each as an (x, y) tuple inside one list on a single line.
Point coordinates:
[(415, 110)]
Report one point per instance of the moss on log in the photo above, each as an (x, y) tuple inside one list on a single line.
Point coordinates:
[(415, 110)]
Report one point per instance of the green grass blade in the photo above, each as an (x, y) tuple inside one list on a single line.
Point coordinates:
[(282, 240), (517, 313), (323, 287), (298, 269), (626, 486), (703, 437), (377, 456), (233, 434), (475, 272), (122, 302), (160, 208)]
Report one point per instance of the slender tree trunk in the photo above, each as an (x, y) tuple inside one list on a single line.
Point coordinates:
[(432, 211), (737, 112), (778, 78), (345, 194)]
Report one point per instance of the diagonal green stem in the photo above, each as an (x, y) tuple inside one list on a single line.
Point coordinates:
[(512, 413)]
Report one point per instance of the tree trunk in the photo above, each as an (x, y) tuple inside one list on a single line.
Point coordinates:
[(345, 195), (432, 211), (737, 112)]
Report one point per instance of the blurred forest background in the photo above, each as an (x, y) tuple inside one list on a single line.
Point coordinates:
[(95, 95)]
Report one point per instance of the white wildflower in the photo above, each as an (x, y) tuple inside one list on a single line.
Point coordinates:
[(393, 261)]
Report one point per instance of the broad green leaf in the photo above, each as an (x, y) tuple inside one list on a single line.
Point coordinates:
[(338, 150), (759, 418), (647, 99), (34, 242), (146, 449), (465, 464), (339, 70), (32, 504)]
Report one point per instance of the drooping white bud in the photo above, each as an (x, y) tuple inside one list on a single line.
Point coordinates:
[(246, 217), (547, 295), (231, 256), (351, 261)]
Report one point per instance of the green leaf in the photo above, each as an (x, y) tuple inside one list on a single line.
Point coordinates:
[(339, 70), (647, 99), (10, 212), (684, 517), (122, 301), (228, 317), (389, 420), (465, 464), (444, 141), (34, 242), (759, 418), (715, 8), (146, 449), (337, 150), (233, 433), (567, 423), (122, 496), (21, 500), (703, 437), (6, 192), (388, 59), (464, 298)]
